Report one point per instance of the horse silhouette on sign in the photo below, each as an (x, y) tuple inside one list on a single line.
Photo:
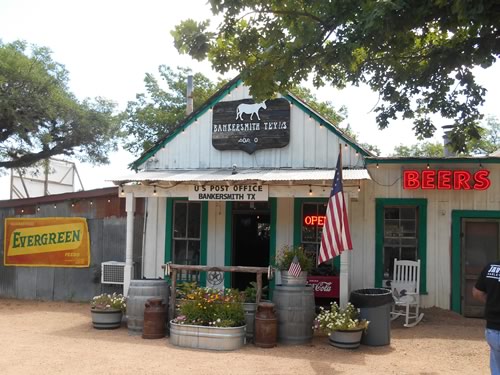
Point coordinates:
[(250, 109)]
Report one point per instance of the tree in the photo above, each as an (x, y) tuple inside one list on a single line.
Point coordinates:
[(489, 143), (40, 118), (417, 54), (424, 149), (155, 113)]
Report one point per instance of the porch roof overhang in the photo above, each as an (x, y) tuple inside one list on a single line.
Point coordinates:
[(239, 175)]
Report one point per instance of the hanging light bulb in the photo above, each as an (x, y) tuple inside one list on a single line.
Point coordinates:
[(359, 188), (122, 191), (428, 166), (154, 191), (377, 165), (310, 190)]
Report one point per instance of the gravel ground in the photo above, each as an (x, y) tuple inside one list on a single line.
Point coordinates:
[(58, 338)]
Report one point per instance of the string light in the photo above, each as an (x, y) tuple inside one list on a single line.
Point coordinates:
[(72, 205), (377, 165), (109, 200), (55, 205), (359, 188), (38, 208), (122, 191), (154, 192), (428, 166), (91, 203), (22, 210), (310, 190)]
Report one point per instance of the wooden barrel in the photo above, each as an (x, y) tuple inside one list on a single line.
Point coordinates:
[(138, 294), (296, 312)]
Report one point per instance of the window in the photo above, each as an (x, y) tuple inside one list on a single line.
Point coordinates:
[(400, 236), (186, 235), (312, 215)]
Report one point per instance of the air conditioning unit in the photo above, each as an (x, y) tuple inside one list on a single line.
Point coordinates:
[(112, 272)]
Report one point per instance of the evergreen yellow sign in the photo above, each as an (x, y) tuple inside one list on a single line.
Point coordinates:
[(49, 242)]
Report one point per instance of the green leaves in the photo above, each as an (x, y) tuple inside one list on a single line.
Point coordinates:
[(417, 55), (40, 118)]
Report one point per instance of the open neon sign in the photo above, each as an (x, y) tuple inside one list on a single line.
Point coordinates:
[(311, 220), (446, 180)]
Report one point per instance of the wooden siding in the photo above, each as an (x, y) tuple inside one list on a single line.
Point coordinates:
[(311, 146)]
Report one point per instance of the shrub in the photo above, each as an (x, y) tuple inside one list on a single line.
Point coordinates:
[(337, 319), (286, 254), (213, 308)]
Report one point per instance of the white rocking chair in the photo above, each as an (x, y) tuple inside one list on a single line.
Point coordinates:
[(405, 288)]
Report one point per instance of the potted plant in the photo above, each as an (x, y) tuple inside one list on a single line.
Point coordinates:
[(284, 259), (343, 326), (210, 319), (107, 310)]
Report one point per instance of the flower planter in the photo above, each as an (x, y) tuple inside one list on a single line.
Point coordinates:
[(106, 319), (350, 339), (211, 338), (289, 280)]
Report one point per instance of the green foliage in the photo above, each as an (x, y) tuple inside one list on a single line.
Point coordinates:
[(337, 319), (40, 118), (155, 113), (487, 144), (420, 149), (285, 256), (250, 293), (418, 55), (109, 302), (212, 307), (184, 288)]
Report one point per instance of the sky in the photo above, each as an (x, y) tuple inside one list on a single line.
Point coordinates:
[(108, 45)]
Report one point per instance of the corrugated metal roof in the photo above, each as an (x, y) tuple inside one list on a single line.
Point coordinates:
[(264, 175)]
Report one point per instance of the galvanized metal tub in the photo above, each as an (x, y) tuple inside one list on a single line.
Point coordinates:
[(211, 338), (295, 309), (287, 279), (138, 294), (346, 339)]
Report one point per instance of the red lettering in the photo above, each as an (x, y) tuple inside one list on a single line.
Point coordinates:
[(429, 179), (444, 180), (314, 220), (482, 182), (411, 180), (461, 180)]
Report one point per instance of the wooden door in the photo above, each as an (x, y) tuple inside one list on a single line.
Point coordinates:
[(480, 245)]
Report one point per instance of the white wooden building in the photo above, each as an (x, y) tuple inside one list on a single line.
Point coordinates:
[(213, 202)]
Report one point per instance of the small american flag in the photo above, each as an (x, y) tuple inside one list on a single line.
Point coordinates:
[(336, 236), (295, 268)]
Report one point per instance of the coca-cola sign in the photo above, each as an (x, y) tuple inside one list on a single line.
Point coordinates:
[(324, 286)]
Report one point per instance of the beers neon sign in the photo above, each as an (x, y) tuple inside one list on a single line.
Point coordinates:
[(311, 220), (446, 180)]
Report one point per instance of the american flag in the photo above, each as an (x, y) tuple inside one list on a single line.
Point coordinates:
[(336, 235), (295, 268)]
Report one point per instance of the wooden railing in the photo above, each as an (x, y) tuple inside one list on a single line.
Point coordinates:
[(172, 269)]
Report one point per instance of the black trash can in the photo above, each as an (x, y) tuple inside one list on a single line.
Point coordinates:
[(375, 306)]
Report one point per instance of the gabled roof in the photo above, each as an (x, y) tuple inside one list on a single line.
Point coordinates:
[(216, 98)]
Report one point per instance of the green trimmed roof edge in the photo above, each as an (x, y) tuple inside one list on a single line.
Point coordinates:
[(223, 91), (311, 112), (424, 160)]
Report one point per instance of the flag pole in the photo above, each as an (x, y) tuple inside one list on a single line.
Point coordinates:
[(344, 256)]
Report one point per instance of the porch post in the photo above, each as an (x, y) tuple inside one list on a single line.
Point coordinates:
[(129, 245), (344, 267)]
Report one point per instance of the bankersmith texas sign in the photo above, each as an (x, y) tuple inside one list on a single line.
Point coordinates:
[(248, 126), (228, 193)]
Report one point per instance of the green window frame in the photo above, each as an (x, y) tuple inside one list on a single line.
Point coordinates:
[(297, 222), (203, 233), (380, 205)]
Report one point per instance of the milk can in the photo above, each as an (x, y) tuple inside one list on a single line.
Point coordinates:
[(155, 319), (266, 325)]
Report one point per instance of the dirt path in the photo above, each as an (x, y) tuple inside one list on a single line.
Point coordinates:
[(58, 338)]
